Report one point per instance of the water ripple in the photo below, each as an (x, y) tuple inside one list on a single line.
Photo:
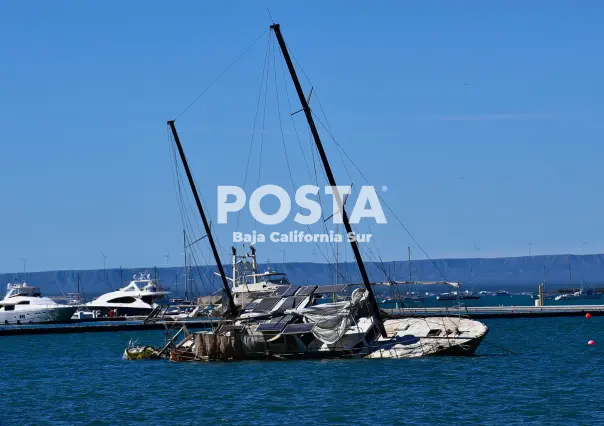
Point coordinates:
[(80, 379)]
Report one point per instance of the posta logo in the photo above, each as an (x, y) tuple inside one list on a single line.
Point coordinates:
[(233, 199)]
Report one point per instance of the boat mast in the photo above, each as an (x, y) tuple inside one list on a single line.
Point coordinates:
[(206, 225), (254, 264), (409, 253), (234, 266), (330, 177), (184, 245)]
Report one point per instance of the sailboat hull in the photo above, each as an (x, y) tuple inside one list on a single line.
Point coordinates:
[(435, 336)]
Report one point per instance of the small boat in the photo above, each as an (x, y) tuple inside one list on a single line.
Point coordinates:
[(469, 296), (137, 298), (466, 295), (582, 294), (408, 297), (535, 296), (502, 293), (447, 296), (24, 304)]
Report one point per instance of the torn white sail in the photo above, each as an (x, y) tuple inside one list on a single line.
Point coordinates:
[(331, 320)]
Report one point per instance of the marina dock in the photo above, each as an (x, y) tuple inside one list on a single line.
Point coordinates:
[(475, 312), (489, 312), (100, 326)]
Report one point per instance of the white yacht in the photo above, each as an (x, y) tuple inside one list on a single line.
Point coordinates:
[(246, 278), (23, 304), (137, 298)]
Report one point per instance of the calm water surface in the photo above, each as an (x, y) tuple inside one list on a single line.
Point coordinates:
[(554, 378)]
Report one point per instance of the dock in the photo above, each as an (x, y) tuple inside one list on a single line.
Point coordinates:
[(131, 324), (489, 312), (100, 327)]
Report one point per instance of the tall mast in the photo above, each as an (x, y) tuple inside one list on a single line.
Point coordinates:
[(254, 264), (184, 245), (330, 177), (206, 225), (409, 253), (234, 250)]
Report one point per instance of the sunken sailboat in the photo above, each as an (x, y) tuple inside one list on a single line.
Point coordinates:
[(285, 321)]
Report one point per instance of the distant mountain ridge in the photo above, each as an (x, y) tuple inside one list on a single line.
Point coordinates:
[(511, 273)]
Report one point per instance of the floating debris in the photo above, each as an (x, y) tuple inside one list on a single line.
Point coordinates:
[(142, 352)]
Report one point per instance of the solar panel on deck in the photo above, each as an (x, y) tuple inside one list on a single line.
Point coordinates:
[(230, 327), (331, 288), (299, 300), (305, 291), (265, 305), (288, 303), (270, 326), (259, 294), (300, 328), (281, 290), (292, 302), (275, 324), (250, 305), (290, 291)]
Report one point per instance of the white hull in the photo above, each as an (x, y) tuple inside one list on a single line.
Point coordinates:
[(37, 315), (416, 337), (137, 298)]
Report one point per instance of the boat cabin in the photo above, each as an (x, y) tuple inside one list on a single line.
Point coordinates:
[(14, 290), (143, 283)]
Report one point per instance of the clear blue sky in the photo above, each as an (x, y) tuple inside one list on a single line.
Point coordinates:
[(484, 119)]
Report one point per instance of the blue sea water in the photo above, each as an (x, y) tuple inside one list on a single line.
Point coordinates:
[(553, 377)]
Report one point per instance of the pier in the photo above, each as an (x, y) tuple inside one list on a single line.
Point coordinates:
[(137, 324), (489, 312), (100, 327)]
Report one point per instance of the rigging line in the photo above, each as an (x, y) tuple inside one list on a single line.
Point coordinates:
[(329, 128), (249, 155), (184, 199), (320, 105), (316, 182), (291, 178), (185, 215), (377, 250), (313, 152), (289, 106), (190, 212), (198, 267), (192, 251), (502, 348), (284, 144), (382, 199), (182, 196), (221, 74), (341, 151), (263, 127)]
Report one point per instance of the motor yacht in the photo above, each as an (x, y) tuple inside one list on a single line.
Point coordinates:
[(24, 304), (137, 298)]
